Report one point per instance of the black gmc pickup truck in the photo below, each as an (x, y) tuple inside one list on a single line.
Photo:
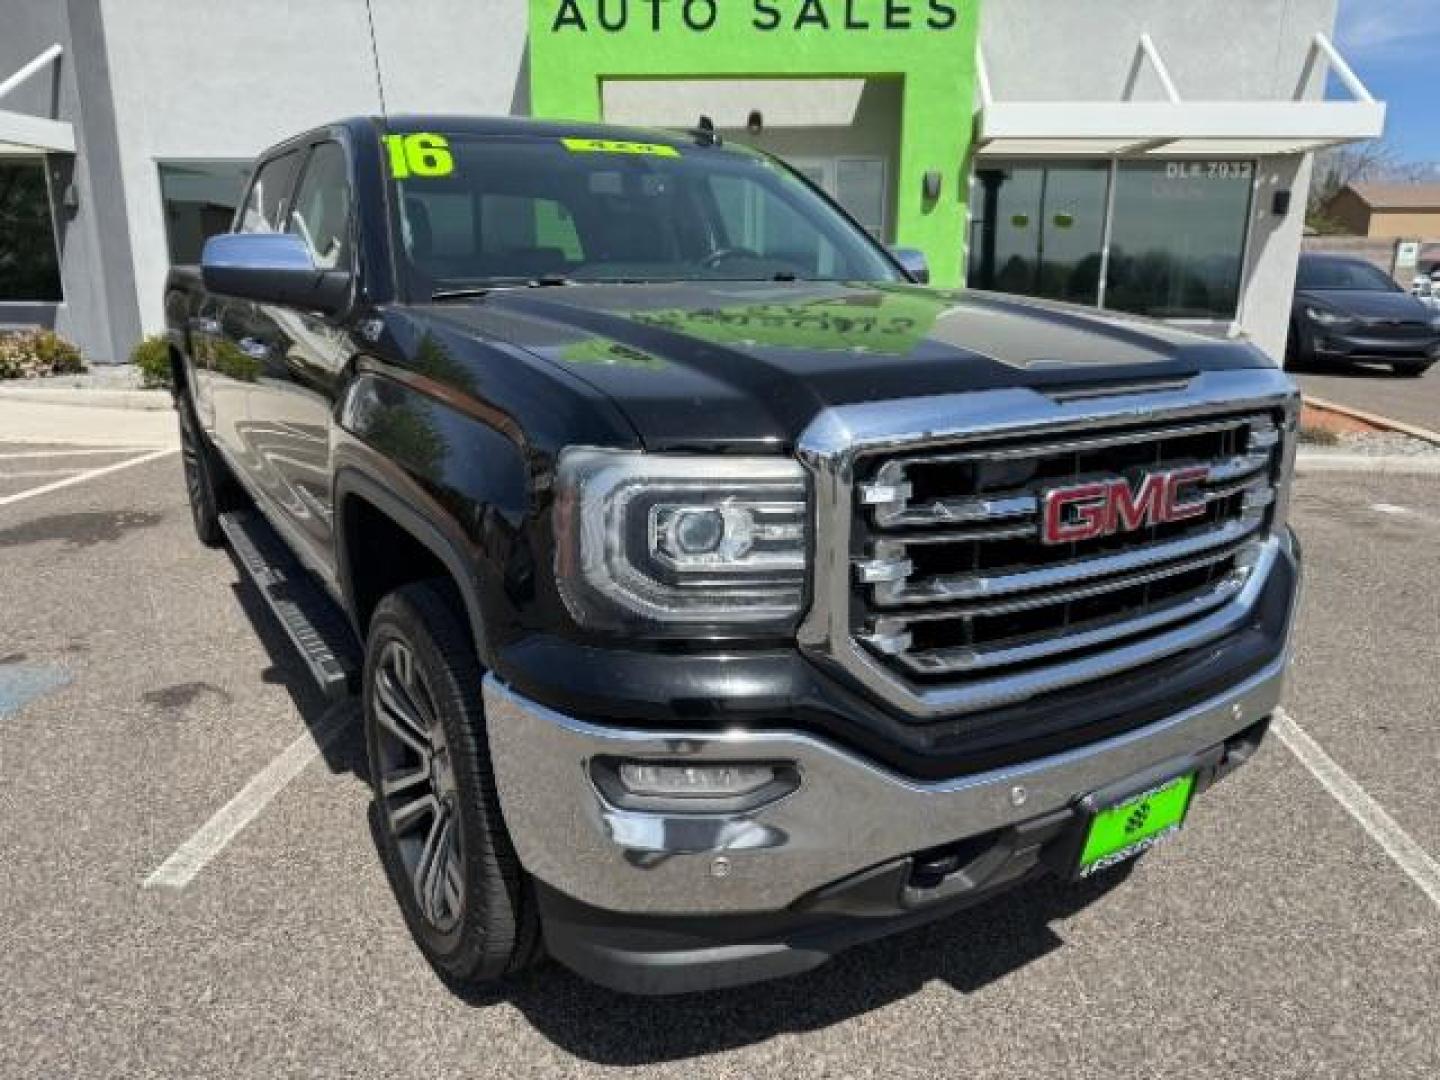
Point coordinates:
[(718, 594)]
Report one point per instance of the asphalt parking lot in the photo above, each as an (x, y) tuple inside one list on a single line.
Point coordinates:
[(1375, 389), (142, 690)]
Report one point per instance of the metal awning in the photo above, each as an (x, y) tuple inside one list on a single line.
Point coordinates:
[(1176, 127), (23, 134)]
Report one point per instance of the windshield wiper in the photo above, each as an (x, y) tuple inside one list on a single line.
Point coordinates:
[(473, 292)]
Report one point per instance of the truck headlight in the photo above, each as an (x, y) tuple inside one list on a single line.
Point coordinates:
[(680, 544)]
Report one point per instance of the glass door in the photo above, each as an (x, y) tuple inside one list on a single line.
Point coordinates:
[(1039, 230)]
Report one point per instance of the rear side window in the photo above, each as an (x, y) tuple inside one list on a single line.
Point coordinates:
[(321, 216), (266, 204)]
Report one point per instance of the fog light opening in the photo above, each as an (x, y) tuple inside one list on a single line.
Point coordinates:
[(649, 780), (685, 787)]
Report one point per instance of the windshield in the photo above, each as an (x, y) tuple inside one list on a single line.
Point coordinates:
[(506, 210), (1344, 275)]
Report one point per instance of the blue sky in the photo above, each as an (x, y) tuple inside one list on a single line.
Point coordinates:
[(1394, 46)]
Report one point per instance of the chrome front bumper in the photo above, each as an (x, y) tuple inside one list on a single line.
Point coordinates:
[(846, 816)]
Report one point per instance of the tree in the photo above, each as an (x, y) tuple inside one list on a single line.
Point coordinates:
[(1360, 163)]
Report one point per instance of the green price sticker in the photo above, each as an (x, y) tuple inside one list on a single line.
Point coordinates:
[(618, 146), (419, 155)]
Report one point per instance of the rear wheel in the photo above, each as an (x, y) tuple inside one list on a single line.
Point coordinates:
[(468, 903), (1411, 370), (208, 483)]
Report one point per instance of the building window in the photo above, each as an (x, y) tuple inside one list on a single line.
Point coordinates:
[(200, 199), (1177, 247), (1039, 230), (29, 266), (1176, 233)]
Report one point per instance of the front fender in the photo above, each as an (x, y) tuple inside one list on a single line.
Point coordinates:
[(456, 484)]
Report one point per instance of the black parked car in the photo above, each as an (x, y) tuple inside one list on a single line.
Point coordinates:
[(1347, 309)]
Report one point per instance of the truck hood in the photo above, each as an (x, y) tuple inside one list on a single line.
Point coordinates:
[(705, 365), (1371, 306)]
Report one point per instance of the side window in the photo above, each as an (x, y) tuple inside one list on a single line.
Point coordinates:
[(266, 204), (322, 207)]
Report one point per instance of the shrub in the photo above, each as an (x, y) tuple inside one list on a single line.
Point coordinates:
[(152, 357), (28, 354)]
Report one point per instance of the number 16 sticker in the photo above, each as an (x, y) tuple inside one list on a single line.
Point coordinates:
[(419, 155)]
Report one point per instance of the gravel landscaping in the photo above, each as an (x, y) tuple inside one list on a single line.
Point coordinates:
[(1369, 444), (99, 377)]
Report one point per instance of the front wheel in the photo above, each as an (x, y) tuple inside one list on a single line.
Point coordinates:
[(465, 898), (1295, 359), (1412, 370)]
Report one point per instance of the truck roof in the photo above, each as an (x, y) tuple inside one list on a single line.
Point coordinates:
[(512, 126)]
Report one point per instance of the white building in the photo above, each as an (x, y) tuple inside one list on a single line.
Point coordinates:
[(1140, 155)]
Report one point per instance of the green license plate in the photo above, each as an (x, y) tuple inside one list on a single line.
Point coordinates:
[(1140, 822)]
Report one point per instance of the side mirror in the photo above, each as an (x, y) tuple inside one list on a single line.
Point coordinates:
[(273, 268), (914, 263)]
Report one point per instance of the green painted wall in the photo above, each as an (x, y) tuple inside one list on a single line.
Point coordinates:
[(575, 45)]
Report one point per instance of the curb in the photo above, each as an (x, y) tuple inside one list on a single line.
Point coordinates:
[(1319, 461), (140, 400), (1385, 423)]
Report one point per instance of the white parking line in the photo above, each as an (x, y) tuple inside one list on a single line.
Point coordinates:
[(211, 838), (89, 451), (1417, 863), (45, 489), (1392, 510)]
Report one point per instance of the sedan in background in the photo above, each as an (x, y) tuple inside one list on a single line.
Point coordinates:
[(1347, 309)]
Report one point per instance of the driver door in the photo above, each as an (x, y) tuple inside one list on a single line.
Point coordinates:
[(293, 401)]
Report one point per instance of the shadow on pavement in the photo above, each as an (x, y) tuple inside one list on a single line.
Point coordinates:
[(344, 752), (967, 951)]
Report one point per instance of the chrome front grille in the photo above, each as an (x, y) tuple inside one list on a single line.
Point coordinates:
[(950, 600), (952, 579)]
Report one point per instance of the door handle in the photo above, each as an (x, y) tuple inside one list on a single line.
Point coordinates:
[(254, 348), (202, 325)]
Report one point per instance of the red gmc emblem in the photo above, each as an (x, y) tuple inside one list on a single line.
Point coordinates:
[(1105, 507)]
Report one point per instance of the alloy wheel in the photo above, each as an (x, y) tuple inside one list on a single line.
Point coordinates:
[(419, 800)]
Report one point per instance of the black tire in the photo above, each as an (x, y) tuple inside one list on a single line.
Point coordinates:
[(468, 903), (1297, 356), (208, 482), (1410, 371), (1292, 350)]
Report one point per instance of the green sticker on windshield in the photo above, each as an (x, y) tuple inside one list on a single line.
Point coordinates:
[(421, 154), (618, 146)]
